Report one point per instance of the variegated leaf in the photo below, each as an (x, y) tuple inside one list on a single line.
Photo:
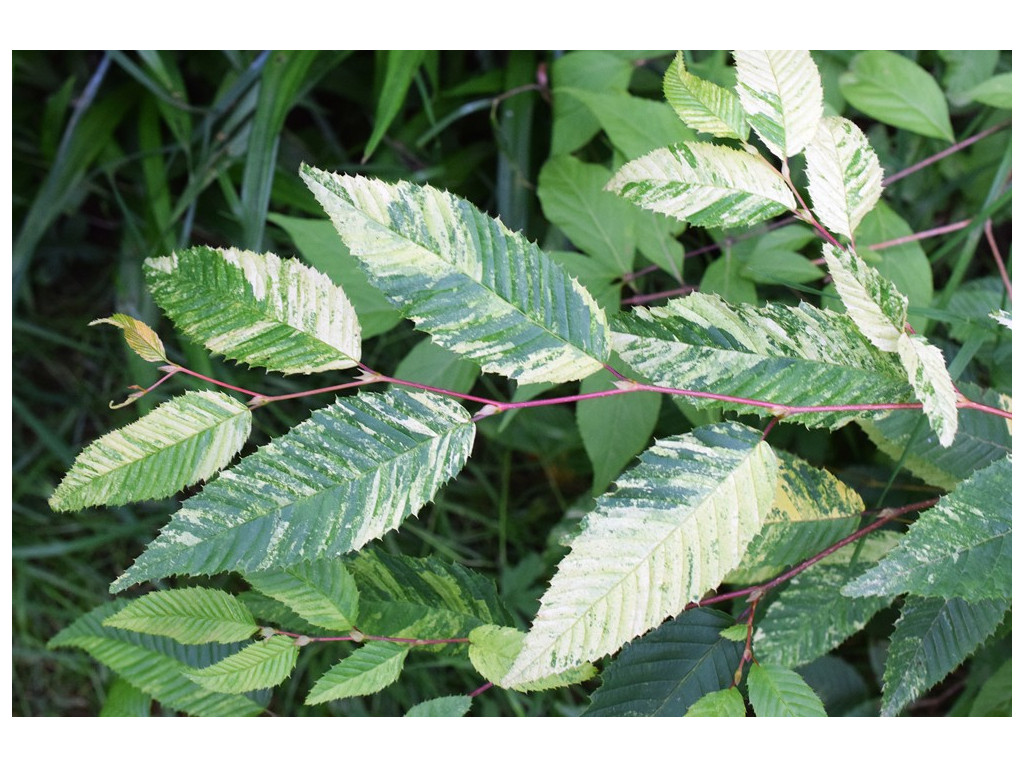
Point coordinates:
[(139, 336), (480, 290), (181, 442), (926, 370), (257, 309), (703, 105), (493, 650), (704, 184), (844, 176), (671, 530), (781, 93), (874, 303), (345, 476)]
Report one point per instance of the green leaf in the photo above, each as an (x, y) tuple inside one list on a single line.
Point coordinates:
[(704, 184), (139, 336), (844, 176), (932, 637), (737, 633), (781, 354), (995, 699), (665, 672), (781, 93), (125, 700), (874, 303), (435, 366), (322, 592), (926, 370), (895, 90), (518, 313), (574, 124), (494, 649), (958, 548), (443, 706), (257, 309), (779, 692), (345, 476), (996, 91), (398, 75), (672, 528), (727, 702), (964, 70), (369, 669), (702, 105), (181, 442), (191, 616), (262, 664)]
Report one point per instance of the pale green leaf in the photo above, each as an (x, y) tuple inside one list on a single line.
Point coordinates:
[(191, 615), (932, 637), (926, 371), (139, 336), (779, 692), (574, 124), (781, 93), (345, 476), (996, 91), (844, 176), (782, 354), (874, 303), (703, 105), (737, 633), (181, 442), (322, 592), (704, 184), (443, 706), (125, 700), (665, 672), (727, 702), (435, 366), (671, 529), (370, 668), (518, 313), (399, 69), (493, 650), (262, 664), (257, 309), (959, 548)]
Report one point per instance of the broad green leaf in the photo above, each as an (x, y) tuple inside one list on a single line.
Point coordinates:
[(435, 366), (844, 176), (518, 313), (995, 699), (932, 637), (154, 665), (841, 687), (724, 277), (322, 592), (672, 528), (191, 616), (964, 70), (181, 442), (781, 94), (897, 91), (257, 309), (370, 668), (345, 476), (702, 105), (494, 649), (443, 706), (400, 68), (958, 548), (665, 672), (125, 700), (774, 257), (574, 124), (727, 702), (874, 303), (790, 355), (926, 370), (262, 664), (704, 184), (779, 692), (139, 336), (996, 91)]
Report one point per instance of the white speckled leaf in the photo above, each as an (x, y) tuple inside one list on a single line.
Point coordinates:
[(703, 105), (480, 290), (926, 370), (257, 309), (872, 301), (345, 476), (704, 184), (672, 528), (781, 93), (181, 442), (844, 176)]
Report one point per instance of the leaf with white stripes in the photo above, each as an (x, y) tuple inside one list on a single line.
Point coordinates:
[(257, 309), (671, 530), (844, 176), (191, 615), (347, 475), (926, 370), (262, 664), (704, 184), (875, 304), (703, 105), (781, 93), (181, 442), (480, 290)]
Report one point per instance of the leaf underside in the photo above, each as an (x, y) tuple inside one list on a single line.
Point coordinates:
[(367, 670), (262, 664), (191, 615)]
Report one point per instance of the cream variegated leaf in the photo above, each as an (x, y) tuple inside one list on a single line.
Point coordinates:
[(179, 443), (139, 336), (671, 530), (781, 93), (704, 184), (872, 301), (703, 105), (480, 290), (844, 176), (257, 309), (926, 370)]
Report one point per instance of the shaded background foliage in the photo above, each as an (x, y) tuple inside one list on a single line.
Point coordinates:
[(122, 156)]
